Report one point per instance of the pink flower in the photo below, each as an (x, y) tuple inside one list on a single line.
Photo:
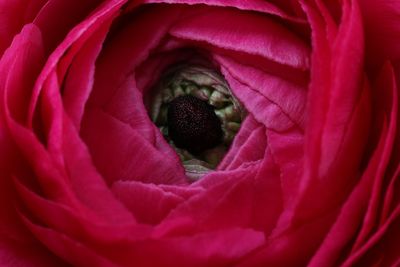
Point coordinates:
[(311, 178)]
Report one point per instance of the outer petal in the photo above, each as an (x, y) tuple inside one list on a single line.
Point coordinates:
[(17, 244), (382, 27), (13, 16), (358, 214)]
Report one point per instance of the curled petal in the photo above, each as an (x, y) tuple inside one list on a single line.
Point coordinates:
[(242, 32)]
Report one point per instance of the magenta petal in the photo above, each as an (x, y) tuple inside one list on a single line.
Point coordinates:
[(335, 92), (291, 248), (13, 16), (81, 186), (387, 82), (79, 224), (384, 239), (20, 66), (287, 149), (338, 122), (28, 254), (70, 250), (147, 202), (251, 151), (183, 192), (263, 110), (10, 20), (320, 79), (124, 52), (331, 190), (344, 92), (15, 93), (392, 196), (243, 32), (122, 153), (57, 18), (352, 212), (80, 78), (248, 126), (148, 73), (235, 201), (289, 97), (380, 36), (85, 180), (69, 153), (216, 247), (65, 173), (126, 105), (252, 5), (217, 177), (188, 217), (212, 248), (77, 34)]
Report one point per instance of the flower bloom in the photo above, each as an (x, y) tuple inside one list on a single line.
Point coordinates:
[(310, 174)]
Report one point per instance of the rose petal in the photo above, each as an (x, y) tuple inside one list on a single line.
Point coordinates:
[(253, 150), (350, 217), (79, 224), (183, 192), (290, 98), (243, 137), (287, 150), (117, 150), (338, 125), (345, 92), (386, 83), (291, 248), (172, 47), (80, 78), (252, 5), (243, 32), (128, 48), (147, 202), (49, 165), (30, 254), (13, 88), (70, 250), (380, 36), (382, 247), (10, 19), (331, 108), (86, 182), (13, 16), (80, 32), (231, 202), (263, 110), (57, 18), (26, 47), (213, 248), (148, 73)]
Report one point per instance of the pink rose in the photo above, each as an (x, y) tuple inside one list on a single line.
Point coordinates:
[(311, 178)]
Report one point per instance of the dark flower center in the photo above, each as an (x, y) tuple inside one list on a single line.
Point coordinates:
[(197, 114), (193, 124)]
